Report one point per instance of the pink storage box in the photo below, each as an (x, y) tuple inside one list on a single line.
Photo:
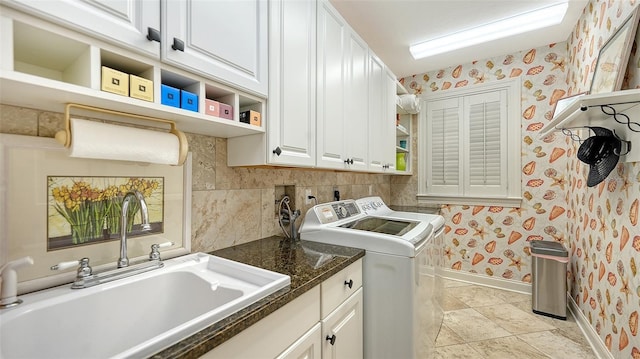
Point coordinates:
[(226, 111), (212, 107)]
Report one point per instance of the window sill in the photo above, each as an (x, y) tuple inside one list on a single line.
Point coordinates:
[(511, 202)]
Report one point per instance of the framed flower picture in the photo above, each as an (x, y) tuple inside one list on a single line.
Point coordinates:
[(614, 56)]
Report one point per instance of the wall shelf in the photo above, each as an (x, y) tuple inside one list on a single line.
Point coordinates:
[(586, 111), (30, 91)]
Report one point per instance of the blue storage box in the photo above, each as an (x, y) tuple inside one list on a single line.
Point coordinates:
[(170, 96), (188, 101)]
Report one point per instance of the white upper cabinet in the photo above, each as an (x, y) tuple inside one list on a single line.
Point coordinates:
[(292, 88), (331, 79), (342, 93), (223, 39), (381, 116), (357, 99), (127, 23), (290, 138)]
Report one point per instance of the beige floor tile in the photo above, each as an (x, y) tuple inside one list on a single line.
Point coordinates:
[(471, 326), (474, 296), (513, 319), (461, 351), (512, 297), (507, 348), (447, 337), (556, 345), (569, 324), (450, 302)]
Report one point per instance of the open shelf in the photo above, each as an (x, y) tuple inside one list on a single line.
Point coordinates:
[(586, 111), (31, 91)]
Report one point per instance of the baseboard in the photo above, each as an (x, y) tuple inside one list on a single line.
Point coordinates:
[(494, 282), (588, 332)]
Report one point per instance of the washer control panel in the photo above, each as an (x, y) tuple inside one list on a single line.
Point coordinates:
[(371, 205), (335, 211)]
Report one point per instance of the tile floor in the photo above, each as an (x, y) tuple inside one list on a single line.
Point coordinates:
[(483, 322)]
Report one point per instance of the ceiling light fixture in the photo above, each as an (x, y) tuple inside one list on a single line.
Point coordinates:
[(513, 25)]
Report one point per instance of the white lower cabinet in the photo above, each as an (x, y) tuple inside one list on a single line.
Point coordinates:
[(342, 330), (325, 322), (307, 347)]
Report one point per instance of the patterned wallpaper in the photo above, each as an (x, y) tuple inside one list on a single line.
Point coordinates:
[(603, 220), (492, 240), (598, 225)]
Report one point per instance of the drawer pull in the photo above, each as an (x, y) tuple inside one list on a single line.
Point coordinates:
[(153, 34), (178, 45), (349, 283), (331, 339)]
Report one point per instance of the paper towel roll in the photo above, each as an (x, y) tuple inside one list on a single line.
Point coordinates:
[(409, 103), (112, 142)]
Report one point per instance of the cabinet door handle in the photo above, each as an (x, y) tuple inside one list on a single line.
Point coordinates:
[(153, 34), (349, 161), (277, 151), (178, 44), (331, 339), (349, 283)]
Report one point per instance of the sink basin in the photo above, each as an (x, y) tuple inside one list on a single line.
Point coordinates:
[(135, 316)]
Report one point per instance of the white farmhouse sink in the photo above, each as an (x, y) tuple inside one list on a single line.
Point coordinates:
[(136, 316)]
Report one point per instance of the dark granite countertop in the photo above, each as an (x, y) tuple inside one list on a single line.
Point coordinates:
[(307, 263)]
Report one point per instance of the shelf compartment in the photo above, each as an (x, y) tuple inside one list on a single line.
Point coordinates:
[(51, 56)]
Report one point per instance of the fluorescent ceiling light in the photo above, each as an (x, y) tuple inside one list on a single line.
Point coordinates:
[(517, 24)]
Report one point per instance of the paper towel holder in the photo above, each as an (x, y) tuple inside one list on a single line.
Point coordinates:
[(65, 136)]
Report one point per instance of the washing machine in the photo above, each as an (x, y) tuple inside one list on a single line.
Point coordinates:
[(399, 271)]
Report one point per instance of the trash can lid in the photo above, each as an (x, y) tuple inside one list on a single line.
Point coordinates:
[(549, 248)]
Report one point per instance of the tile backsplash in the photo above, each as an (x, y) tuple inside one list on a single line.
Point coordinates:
[(229, 205)]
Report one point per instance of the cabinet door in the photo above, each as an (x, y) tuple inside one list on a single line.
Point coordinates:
[(307, 347), (389, 125), (292, 88), (123, 22), (377, 110), (342, 330), (224, 39), (356, 111), (331, 87)]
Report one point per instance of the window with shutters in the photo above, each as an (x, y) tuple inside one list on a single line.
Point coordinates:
[(470, 146)]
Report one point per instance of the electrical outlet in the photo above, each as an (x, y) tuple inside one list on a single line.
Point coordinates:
[(307, 194)]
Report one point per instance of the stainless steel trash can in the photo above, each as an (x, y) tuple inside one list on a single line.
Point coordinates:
[(549, 277)]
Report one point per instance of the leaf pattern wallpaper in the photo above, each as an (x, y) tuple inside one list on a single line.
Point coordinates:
[(599, 226)]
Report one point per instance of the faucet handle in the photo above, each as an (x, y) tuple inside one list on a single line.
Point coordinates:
[(65, 265), (155, 250), (84, 270)]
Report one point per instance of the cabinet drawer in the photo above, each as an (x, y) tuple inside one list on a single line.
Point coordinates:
[(336, 289)]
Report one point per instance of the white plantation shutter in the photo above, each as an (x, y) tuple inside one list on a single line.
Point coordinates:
[(444, 147), (485, 155), (471, 145)]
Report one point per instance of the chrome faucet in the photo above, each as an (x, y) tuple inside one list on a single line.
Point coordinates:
[(124, 261), (292, 221)]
